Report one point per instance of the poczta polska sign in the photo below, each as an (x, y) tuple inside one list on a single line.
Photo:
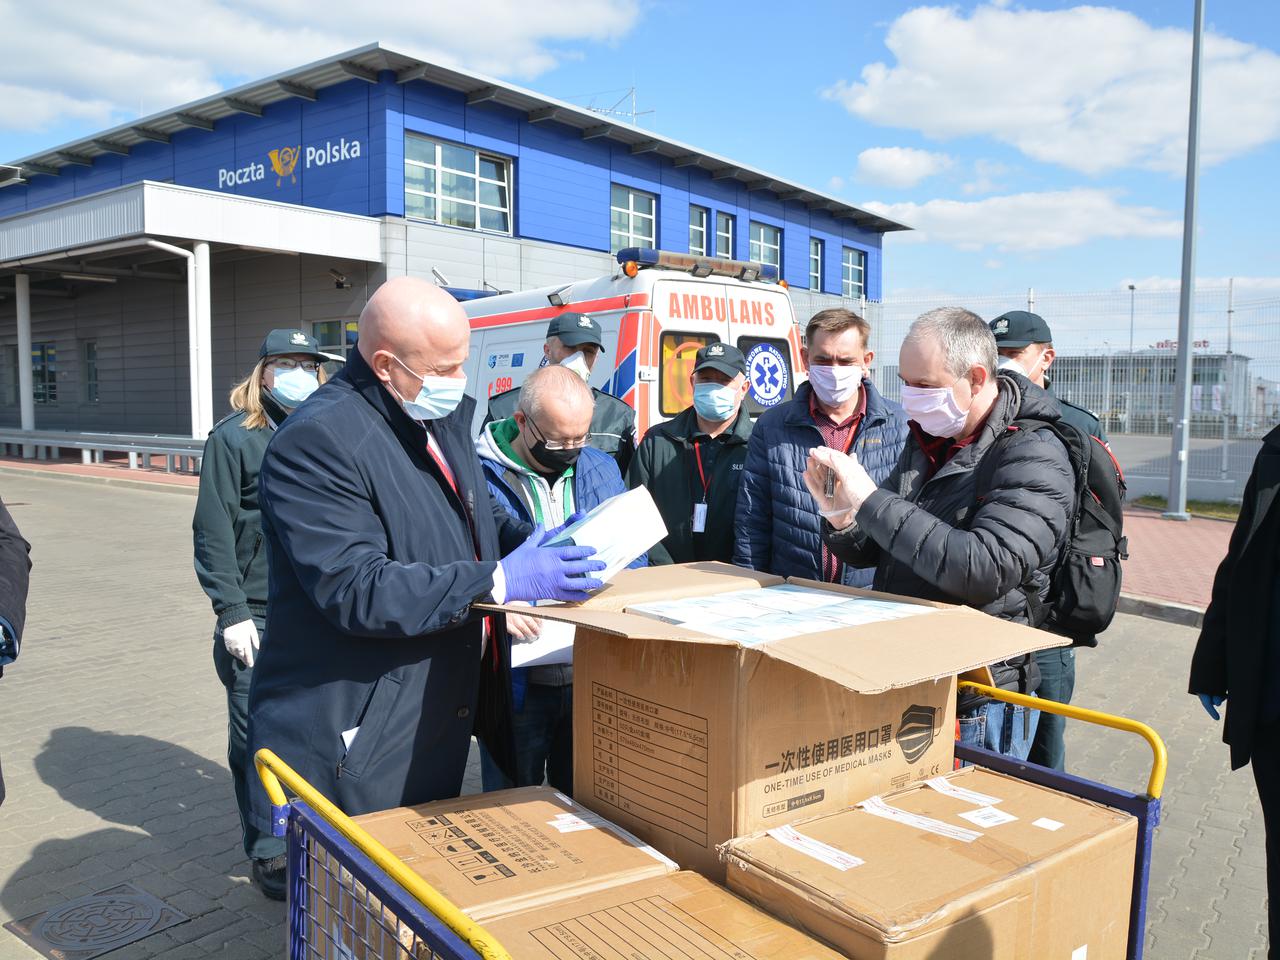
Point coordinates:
[(283, 163)]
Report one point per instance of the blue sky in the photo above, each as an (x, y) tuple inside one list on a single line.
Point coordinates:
[(1033, 144)]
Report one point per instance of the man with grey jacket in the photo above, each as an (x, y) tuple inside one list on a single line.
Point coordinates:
[(976, 510)]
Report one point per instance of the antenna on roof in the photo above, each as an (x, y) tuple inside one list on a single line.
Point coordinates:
[(624, 108)]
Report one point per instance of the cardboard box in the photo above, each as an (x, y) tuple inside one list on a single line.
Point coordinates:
[(682, 915), (689, 740), (1048, 875)]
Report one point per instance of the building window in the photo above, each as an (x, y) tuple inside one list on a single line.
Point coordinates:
[(815, 263), (698, 231), (853, 280), (456, 186), (678, 352), (632, 218), (724, 235), (335, 336), (44, 372), (766, 244), (90, 368)]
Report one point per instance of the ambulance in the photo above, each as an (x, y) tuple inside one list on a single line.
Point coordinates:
[(656, 311)]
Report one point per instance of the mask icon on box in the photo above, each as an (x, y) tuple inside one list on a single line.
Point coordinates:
[(917, 731)]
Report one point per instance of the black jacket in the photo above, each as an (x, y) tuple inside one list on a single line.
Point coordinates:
[(231, 563), (665, 465), (1238, 653), (373, 571), (613, 424), (15, 577), (942, 539)]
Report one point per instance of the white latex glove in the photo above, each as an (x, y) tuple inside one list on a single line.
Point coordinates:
[(852, 484), (522, 629), (241, 641)]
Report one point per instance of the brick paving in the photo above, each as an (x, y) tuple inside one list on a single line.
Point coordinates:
[(114, 745), (1173, 560)]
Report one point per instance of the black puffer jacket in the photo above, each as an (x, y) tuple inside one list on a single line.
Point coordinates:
[(940, 538)]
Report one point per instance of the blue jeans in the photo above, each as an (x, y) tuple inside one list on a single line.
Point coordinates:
[(543, 731), (1001, 728), (1057, 682)]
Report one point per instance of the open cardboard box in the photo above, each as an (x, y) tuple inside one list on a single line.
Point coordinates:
[(688, 740)]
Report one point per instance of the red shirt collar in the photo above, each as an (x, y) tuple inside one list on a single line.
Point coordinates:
[(816, 411)]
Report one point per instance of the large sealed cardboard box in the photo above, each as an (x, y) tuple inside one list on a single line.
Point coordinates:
[(679, 916), (971, 866), (689, 737)]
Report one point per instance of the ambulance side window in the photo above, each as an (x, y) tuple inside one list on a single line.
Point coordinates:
[(769, 371), (678, 351)]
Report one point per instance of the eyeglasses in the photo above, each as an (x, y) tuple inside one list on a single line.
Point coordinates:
[(288, 363), (575, 444)]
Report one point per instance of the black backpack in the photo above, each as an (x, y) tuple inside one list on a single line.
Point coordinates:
[(1084, 587)]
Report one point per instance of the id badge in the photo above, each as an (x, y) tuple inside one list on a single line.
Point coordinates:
[(699, 518)]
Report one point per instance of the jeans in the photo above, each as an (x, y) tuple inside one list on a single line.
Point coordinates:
[(543, 732), (235, 676), (1000, 727), (1057, 682)]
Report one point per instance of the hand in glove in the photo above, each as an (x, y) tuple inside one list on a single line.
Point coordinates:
[(1211, 703), (523, 629), (537, 572), (850, 484), (241, 641)]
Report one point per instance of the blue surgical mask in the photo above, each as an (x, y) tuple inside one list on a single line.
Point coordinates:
[(438, 397), (715, 401), (291, 387)]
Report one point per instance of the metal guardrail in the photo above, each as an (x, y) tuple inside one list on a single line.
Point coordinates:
[(180, 453)]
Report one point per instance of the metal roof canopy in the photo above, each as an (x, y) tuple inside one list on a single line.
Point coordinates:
[(365, 63)]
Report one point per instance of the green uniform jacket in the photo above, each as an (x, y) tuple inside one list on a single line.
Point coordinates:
[(231, 560), (1078, 416), (665, 465), (613, 424)]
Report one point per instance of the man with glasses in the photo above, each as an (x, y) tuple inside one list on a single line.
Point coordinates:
[(541, 469)]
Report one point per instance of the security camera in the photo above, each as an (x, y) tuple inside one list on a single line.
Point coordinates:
[(340, 281)]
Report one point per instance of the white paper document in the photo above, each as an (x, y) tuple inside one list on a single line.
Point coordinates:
[(762, 614), (553, 645), (621, 529)]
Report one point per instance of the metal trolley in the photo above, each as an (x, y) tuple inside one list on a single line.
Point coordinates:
[(351, 899)]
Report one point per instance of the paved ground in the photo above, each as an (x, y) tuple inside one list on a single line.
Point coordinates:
[(1173, 560), (114, 745)]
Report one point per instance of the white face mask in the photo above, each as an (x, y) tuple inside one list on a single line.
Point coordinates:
[(577, 362), (935, 410), (1012, 365), (835, 385)]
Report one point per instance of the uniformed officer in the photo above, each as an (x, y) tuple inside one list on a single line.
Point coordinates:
[(1025, 343), (575, 340)]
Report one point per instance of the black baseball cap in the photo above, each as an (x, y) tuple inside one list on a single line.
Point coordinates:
[(1019, 328), (724, 357), (575, 329), (280, 342)]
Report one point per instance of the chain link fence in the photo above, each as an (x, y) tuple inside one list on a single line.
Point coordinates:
[(1117, 356)]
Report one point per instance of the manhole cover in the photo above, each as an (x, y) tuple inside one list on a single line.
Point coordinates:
[(92, 925)]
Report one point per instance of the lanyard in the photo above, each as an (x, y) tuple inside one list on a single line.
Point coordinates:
[(697, 455)]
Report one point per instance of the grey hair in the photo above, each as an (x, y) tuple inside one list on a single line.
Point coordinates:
[(549, 386), (964, 336)]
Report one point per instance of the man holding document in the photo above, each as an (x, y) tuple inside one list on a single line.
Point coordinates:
[(540, 469)]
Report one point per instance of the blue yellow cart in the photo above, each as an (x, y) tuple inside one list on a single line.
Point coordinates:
[(351, 899)]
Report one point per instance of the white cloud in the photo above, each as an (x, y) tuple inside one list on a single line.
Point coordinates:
[(986, 177), (1090, 88), (98, 63), (899, 167), (1028, 222), (836, 184), (1245, 287)]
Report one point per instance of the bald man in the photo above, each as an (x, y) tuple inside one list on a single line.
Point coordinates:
[(380, 534)]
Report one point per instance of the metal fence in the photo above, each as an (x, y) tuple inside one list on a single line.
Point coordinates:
[(1116, 355)]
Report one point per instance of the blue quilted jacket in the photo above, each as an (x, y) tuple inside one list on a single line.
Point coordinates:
[(778, 529)]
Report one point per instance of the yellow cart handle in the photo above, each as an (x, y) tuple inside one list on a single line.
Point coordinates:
[(1159, 756), (273, 771)]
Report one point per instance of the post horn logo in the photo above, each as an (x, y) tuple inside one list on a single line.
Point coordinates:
[(283, 162), (917, 731)]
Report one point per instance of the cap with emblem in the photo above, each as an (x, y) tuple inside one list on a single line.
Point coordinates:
[(281, 342), (1018, 328), (724, 357), (575, 329)]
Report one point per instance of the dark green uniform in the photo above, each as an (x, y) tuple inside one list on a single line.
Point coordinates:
[(231, 564), (666, 465), (613, 424), (1077, 415)]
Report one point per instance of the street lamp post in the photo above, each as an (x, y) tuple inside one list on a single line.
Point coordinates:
[(1129, 371)]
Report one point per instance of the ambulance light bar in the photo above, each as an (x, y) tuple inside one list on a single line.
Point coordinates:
[(633, 259)]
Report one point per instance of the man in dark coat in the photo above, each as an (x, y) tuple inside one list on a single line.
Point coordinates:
[(15, 574), (575, 340), (380, 535), (977, 509), (778, 530), (692, 464), (1237, 657)]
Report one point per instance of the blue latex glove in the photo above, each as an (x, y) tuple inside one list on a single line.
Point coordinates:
[(535, 572), (1211, 702)]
